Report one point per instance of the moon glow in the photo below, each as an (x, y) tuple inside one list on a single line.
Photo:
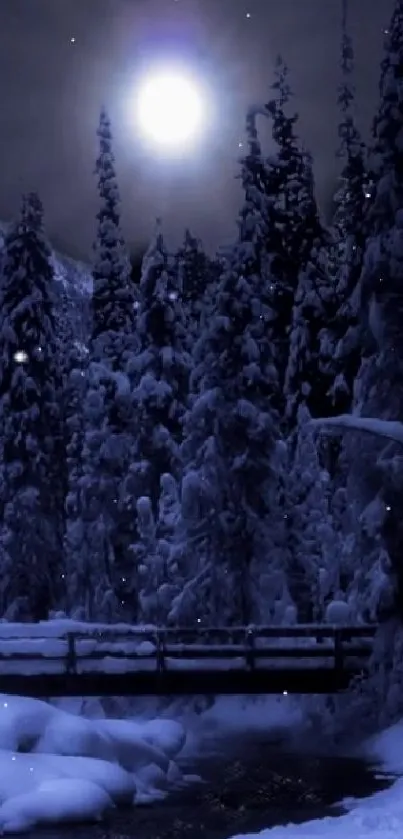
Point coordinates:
[(170, 110)]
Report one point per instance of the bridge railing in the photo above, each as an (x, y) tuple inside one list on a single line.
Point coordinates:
[(143, 648)]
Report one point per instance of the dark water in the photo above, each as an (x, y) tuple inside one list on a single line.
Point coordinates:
[(250, 783)]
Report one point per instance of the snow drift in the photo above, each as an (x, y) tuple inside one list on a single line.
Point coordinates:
[(56, 767)]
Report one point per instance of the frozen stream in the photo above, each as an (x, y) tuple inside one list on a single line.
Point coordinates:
[(250, 783)]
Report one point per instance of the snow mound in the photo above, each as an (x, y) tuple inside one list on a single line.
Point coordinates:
[(58, 767), (338, 613), (386, 749), (55, 801)]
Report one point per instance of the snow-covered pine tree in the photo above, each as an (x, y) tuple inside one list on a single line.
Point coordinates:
[(375, 489), (277, 175), (381, 281), (344, 337), (156, 555), (381, 295), (379, 385), (32, 452), (196, 274), (307, 379), (260, 251), (300, 222), (350, 198), (386, 158), (313, 567), (294, 212), (103, 502), (232, 425), (89, 594), (160, 372), (114, 295)]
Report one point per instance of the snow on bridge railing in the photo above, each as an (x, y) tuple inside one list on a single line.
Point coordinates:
[(122, 648)]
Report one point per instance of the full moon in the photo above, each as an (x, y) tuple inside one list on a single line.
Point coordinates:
[(170, 109)]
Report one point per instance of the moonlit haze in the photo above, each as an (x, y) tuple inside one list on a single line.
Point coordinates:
[(176, 151)]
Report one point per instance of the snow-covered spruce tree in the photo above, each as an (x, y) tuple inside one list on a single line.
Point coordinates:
[(294, 212), (344, 336), (379, 385), (297, 208), (381, 297), (160, 371), (308, 379), (89, 594), (375, 590), (313, 569), (196, 275), (32, 452), (260, 248), (74, 396), (386, 158), (381, 281), (114, 297), (156, 555), (231, 429), (280, 183), (103, 504)]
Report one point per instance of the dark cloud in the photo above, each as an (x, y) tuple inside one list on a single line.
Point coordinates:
[(51, 92)]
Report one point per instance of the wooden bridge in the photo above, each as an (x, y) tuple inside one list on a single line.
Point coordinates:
[(149, 661)]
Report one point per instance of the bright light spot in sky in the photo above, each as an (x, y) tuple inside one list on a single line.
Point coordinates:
[(170, 109), (20, 357)]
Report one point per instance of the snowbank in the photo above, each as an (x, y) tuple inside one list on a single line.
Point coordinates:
[(55, 766), (386, 749), (378, 817)]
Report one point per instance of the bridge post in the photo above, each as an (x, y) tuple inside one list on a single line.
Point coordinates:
[(338, 650), (160, 651), (71, 659), (250, 648)]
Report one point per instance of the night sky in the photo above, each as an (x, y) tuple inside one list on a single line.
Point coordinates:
[(51, 91)]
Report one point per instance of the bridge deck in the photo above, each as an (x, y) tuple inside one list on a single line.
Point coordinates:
[(142, 661)]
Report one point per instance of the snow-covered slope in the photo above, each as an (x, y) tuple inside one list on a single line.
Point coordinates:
[(73, 274)]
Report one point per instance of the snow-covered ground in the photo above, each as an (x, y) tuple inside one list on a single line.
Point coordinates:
[(56, 766), (378, 817)]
